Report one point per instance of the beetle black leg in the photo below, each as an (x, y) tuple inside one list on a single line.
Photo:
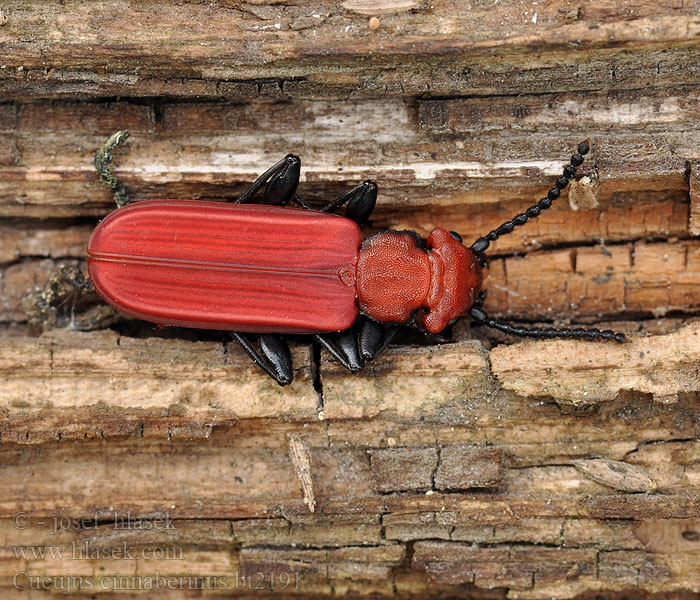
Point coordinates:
[(360, 202), (484, 242), (374, 338), (103, 158), (545, 332), (343, 347), (282, 180), (301, 203), (276, 360)]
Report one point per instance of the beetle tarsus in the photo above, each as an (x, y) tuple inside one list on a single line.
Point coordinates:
[(103, 159), (276, 359)]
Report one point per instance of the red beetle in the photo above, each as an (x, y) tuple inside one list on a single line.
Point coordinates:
[(269, 270)]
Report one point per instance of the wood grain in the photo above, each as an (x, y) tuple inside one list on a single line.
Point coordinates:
[(207, 150), (475, 466), (322, 49)]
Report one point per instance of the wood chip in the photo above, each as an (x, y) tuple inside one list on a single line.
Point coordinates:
[(301, 459), (616, 474)]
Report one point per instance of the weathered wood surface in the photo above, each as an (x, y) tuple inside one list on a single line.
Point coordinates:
[(64, 372), (328, 49), (473, 468), (509, 486), (448, 164)]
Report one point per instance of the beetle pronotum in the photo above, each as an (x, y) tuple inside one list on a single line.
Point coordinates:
[(262, 271)]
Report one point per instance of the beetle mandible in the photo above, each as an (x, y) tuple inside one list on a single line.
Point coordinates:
[(261, 271)]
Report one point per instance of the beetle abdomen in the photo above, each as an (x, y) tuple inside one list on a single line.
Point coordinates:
[(213, 265)]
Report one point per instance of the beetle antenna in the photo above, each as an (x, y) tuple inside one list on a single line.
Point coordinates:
[(546, 332), (103, 158), (484, 242)]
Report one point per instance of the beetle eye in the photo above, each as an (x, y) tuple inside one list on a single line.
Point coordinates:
[(456, 236)]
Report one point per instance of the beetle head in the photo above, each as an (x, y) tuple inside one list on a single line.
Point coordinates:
[(455, 279)]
